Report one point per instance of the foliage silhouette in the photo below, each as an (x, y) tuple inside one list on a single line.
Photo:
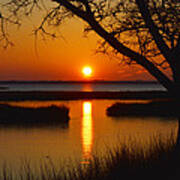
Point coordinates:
[(145, 32)]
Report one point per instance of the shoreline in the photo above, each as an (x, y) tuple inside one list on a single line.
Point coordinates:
[(78, 95)]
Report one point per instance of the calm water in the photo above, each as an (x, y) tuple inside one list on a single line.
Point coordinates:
[(89, 130), (81, 87)]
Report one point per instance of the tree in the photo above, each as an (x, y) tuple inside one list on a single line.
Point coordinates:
[(145, 32)]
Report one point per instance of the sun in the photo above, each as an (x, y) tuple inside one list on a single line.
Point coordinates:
[(87, 71)]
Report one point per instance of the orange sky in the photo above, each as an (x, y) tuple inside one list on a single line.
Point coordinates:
[(61, 58)]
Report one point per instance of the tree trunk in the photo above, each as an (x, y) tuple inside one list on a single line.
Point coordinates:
[(177, 143), (176, 78), (176, 75), (178, 135)]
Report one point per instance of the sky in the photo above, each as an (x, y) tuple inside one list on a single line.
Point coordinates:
[(62, 58)]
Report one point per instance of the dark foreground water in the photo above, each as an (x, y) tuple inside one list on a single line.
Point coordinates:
[(89, 130), (118, 86)]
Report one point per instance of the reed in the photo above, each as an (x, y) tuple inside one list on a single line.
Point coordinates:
[(161, 161)]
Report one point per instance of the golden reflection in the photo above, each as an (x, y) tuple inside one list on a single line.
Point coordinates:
[(87, 132), (87, 87)]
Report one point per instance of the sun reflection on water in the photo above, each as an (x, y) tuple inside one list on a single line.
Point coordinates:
[(86, 131), (87, 87)]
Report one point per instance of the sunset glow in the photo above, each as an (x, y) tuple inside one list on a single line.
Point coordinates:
[(58, 60), (87, 71)]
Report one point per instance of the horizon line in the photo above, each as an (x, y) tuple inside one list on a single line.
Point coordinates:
[(77, 81)]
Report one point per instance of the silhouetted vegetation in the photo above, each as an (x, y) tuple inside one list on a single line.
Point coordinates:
[(154, 108), (3, 88), (74, 95), (160, 161), (14, 115), (144, 32)]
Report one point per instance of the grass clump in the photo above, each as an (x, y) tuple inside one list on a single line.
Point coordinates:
[(15, 115), (153, 108)]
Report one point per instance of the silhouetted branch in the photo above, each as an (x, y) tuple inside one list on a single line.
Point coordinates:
[(4, 36), (143, 6), (143, 31), (178, 44), (49, 16), (80, 13)]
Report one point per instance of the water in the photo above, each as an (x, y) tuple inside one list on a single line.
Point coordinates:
[(81, 87), (89, 130)]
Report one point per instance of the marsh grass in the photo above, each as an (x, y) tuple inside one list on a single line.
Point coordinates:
[(160, 161), (27, 116), (157, 108)]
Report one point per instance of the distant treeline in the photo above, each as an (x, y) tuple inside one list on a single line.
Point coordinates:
[(77, 82)]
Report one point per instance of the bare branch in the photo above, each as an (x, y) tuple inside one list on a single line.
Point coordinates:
[(4, 38), (72, 8), (142, 4)]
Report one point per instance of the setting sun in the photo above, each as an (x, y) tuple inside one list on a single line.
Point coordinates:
[(87, 71)]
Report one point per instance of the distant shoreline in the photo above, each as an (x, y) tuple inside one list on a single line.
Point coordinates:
[(78, 95)]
